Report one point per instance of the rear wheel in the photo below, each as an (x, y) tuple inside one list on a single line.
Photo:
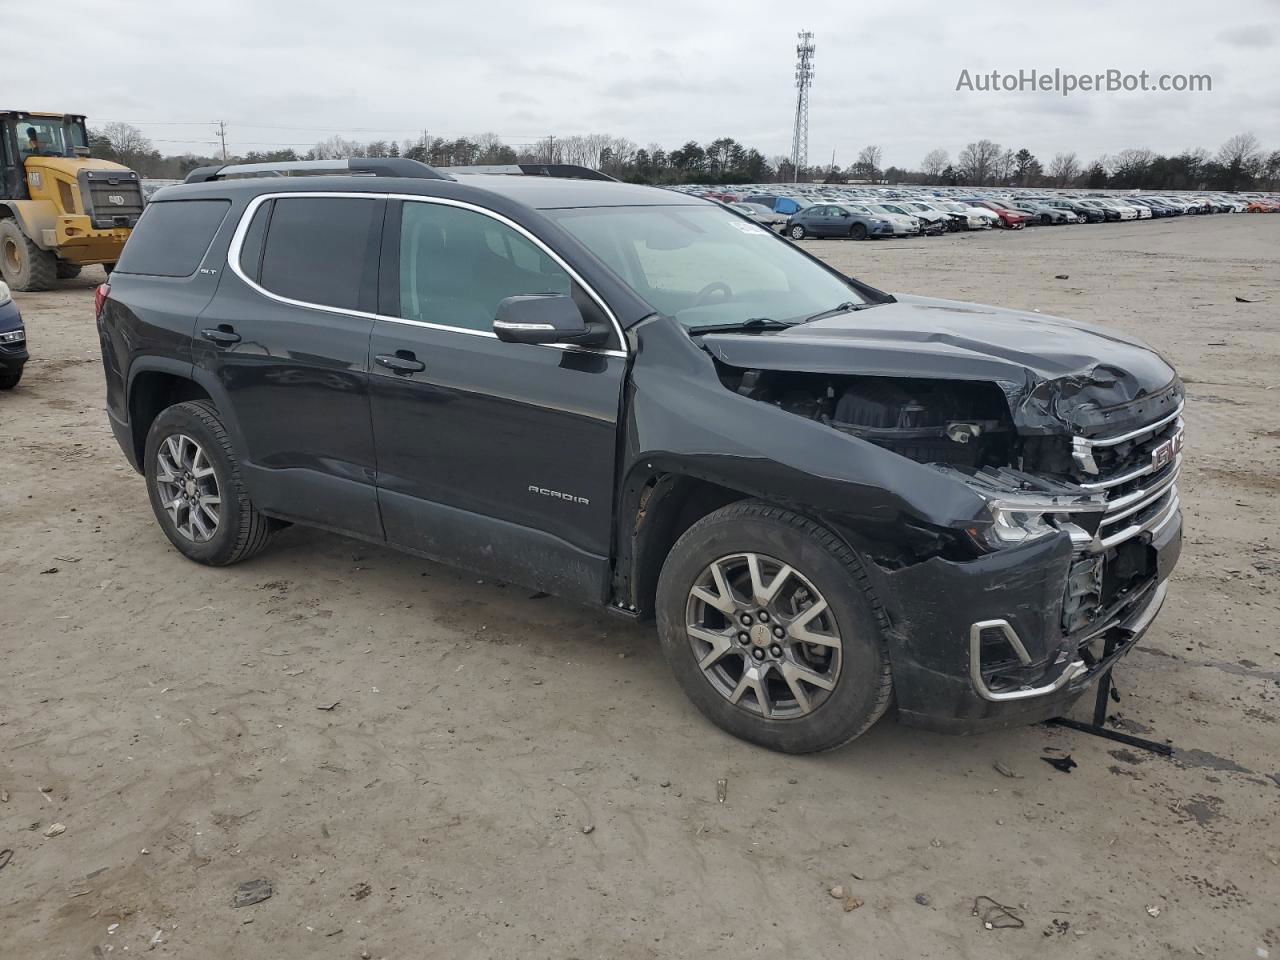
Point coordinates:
[(197, 494), (858, 231), (770, 625), (796, 232), (23, 265), (68, 271)]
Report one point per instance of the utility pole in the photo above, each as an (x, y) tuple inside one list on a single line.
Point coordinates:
[(804, 80), (222, 135), (551, 148)]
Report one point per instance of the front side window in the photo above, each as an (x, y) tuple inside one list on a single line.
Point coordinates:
[(323, 250), (457, 265), (704, 266)]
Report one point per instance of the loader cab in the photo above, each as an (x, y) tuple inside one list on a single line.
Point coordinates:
[(24, 135)]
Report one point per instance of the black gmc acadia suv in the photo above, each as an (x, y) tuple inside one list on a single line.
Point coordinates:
[(829, 497)]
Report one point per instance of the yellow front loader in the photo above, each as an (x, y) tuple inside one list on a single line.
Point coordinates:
[(59, 209)]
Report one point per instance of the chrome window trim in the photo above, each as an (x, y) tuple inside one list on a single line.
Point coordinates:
[(242, 228)]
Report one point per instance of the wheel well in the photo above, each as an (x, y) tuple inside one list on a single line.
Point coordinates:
[(150, 394), (656, 512)]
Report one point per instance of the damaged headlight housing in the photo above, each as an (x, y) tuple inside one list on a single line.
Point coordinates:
[(1016, 521)]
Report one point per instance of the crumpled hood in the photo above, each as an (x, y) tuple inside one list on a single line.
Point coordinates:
[(1059, 375)]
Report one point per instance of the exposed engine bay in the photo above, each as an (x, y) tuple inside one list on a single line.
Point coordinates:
[(954, 422)]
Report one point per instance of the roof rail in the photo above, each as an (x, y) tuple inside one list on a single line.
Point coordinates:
[(566, 170), (354, 167)]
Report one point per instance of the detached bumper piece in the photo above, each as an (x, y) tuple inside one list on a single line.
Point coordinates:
[(1117, 637)]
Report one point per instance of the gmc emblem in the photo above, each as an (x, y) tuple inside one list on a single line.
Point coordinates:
[(115, 199), (1163, 455)]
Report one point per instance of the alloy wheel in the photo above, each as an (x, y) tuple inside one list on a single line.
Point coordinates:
[(188, 487), (763, 636)]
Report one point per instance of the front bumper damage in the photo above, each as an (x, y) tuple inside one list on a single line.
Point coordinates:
[(958, 627)]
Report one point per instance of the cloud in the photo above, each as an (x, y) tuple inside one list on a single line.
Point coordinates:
[(1256, 37)]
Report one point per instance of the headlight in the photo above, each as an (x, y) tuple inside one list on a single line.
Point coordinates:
[(1016, 520), (5, 295), (882, 223), (13, 336)]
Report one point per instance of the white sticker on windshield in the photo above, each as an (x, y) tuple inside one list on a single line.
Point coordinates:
[(747, 227)]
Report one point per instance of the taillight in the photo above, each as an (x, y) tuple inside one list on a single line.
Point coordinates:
[(100, 298)]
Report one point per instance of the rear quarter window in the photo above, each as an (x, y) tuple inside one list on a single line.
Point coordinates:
[(172, 237)]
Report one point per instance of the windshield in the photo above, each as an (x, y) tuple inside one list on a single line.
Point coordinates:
[(48, 136), (704, 266)]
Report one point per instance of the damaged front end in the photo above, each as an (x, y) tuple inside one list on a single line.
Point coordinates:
[(1076, 460)]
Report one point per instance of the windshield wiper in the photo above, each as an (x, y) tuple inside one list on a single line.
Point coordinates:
[(754, 323), (849, 306)]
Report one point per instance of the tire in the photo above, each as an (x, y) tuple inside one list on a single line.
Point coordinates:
[(24, 266), (10, 380), (68, 271), (821, 562), (858, 231), (1046, 220), (796, 232), (239, 531)]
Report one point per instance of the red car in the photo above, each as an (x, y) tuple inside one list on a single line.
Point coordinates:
[(1010, 218)]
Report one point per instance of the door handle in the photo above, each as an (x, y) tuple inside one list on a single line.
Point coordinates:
[(402, 362), (223, 335)]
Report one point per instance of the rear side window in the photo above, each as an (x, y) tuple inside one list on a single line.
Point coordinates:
[(324, 250), (172, 237)]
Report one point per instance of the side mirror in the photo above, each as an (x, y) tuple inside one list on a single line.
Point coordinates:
[(543, 318)]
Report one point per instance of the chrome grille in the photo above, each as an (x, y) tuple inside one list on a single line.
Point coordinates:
[(1137, 472)]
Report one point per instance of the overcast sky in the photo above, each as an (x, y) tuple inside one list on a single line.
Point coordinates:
[(291, 72)]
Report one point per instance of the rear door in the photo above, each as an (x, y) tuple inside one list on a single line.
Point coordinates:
[(495, 456), (287, 340)]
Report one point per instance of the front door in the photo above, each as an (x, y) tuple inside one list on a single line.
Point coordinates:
[(495, 456)]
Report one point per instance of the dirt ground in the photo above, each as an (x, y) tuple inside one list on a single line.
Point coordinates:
[(505, 776)]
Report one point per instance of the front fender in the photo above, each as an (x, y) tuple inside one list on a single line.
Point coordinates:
[(35, 217), (681, 419)]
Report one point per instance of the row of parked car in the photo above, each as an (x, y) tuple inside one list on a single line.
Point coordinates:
[(863, 213)]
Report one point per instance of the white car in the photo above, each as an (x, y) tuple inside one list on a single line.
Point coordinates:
[(977, 218), (903, 225), (1126, 212)]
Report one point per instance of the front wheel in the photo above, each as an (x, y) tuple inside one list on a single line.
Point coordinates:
[(197, 494), (769, 623), (796, 232), (10, 380)]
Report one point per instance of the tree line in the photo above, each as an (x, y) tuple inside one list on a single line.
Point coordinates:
[(1239, 164)]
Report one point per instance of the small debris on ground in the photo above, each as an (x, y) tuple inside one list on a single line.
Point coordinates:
[(1057, 926), (589, 828), (1153, 910), (1062, 276), (923, 899), (665, 783), (540, 595), (50, 570), (722, 790), (995, 915), (1064, 764), (156, 939), (837, 893), (328, 706), (55, 829), (852, 903), (361, 890), (1005, 770), (251, 892), (1246, 300)]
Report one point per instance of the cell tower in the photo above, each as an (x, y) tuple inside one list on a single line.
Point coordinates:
[(804, 80)]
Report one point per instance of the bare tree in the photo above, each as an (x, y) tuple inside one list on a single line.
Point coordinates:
[(867, 166), (1064, 168), (1004, 165), (335, 148), (1241, 159), (978, 161), (126, 142), (934, 162), (1129, 167)]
